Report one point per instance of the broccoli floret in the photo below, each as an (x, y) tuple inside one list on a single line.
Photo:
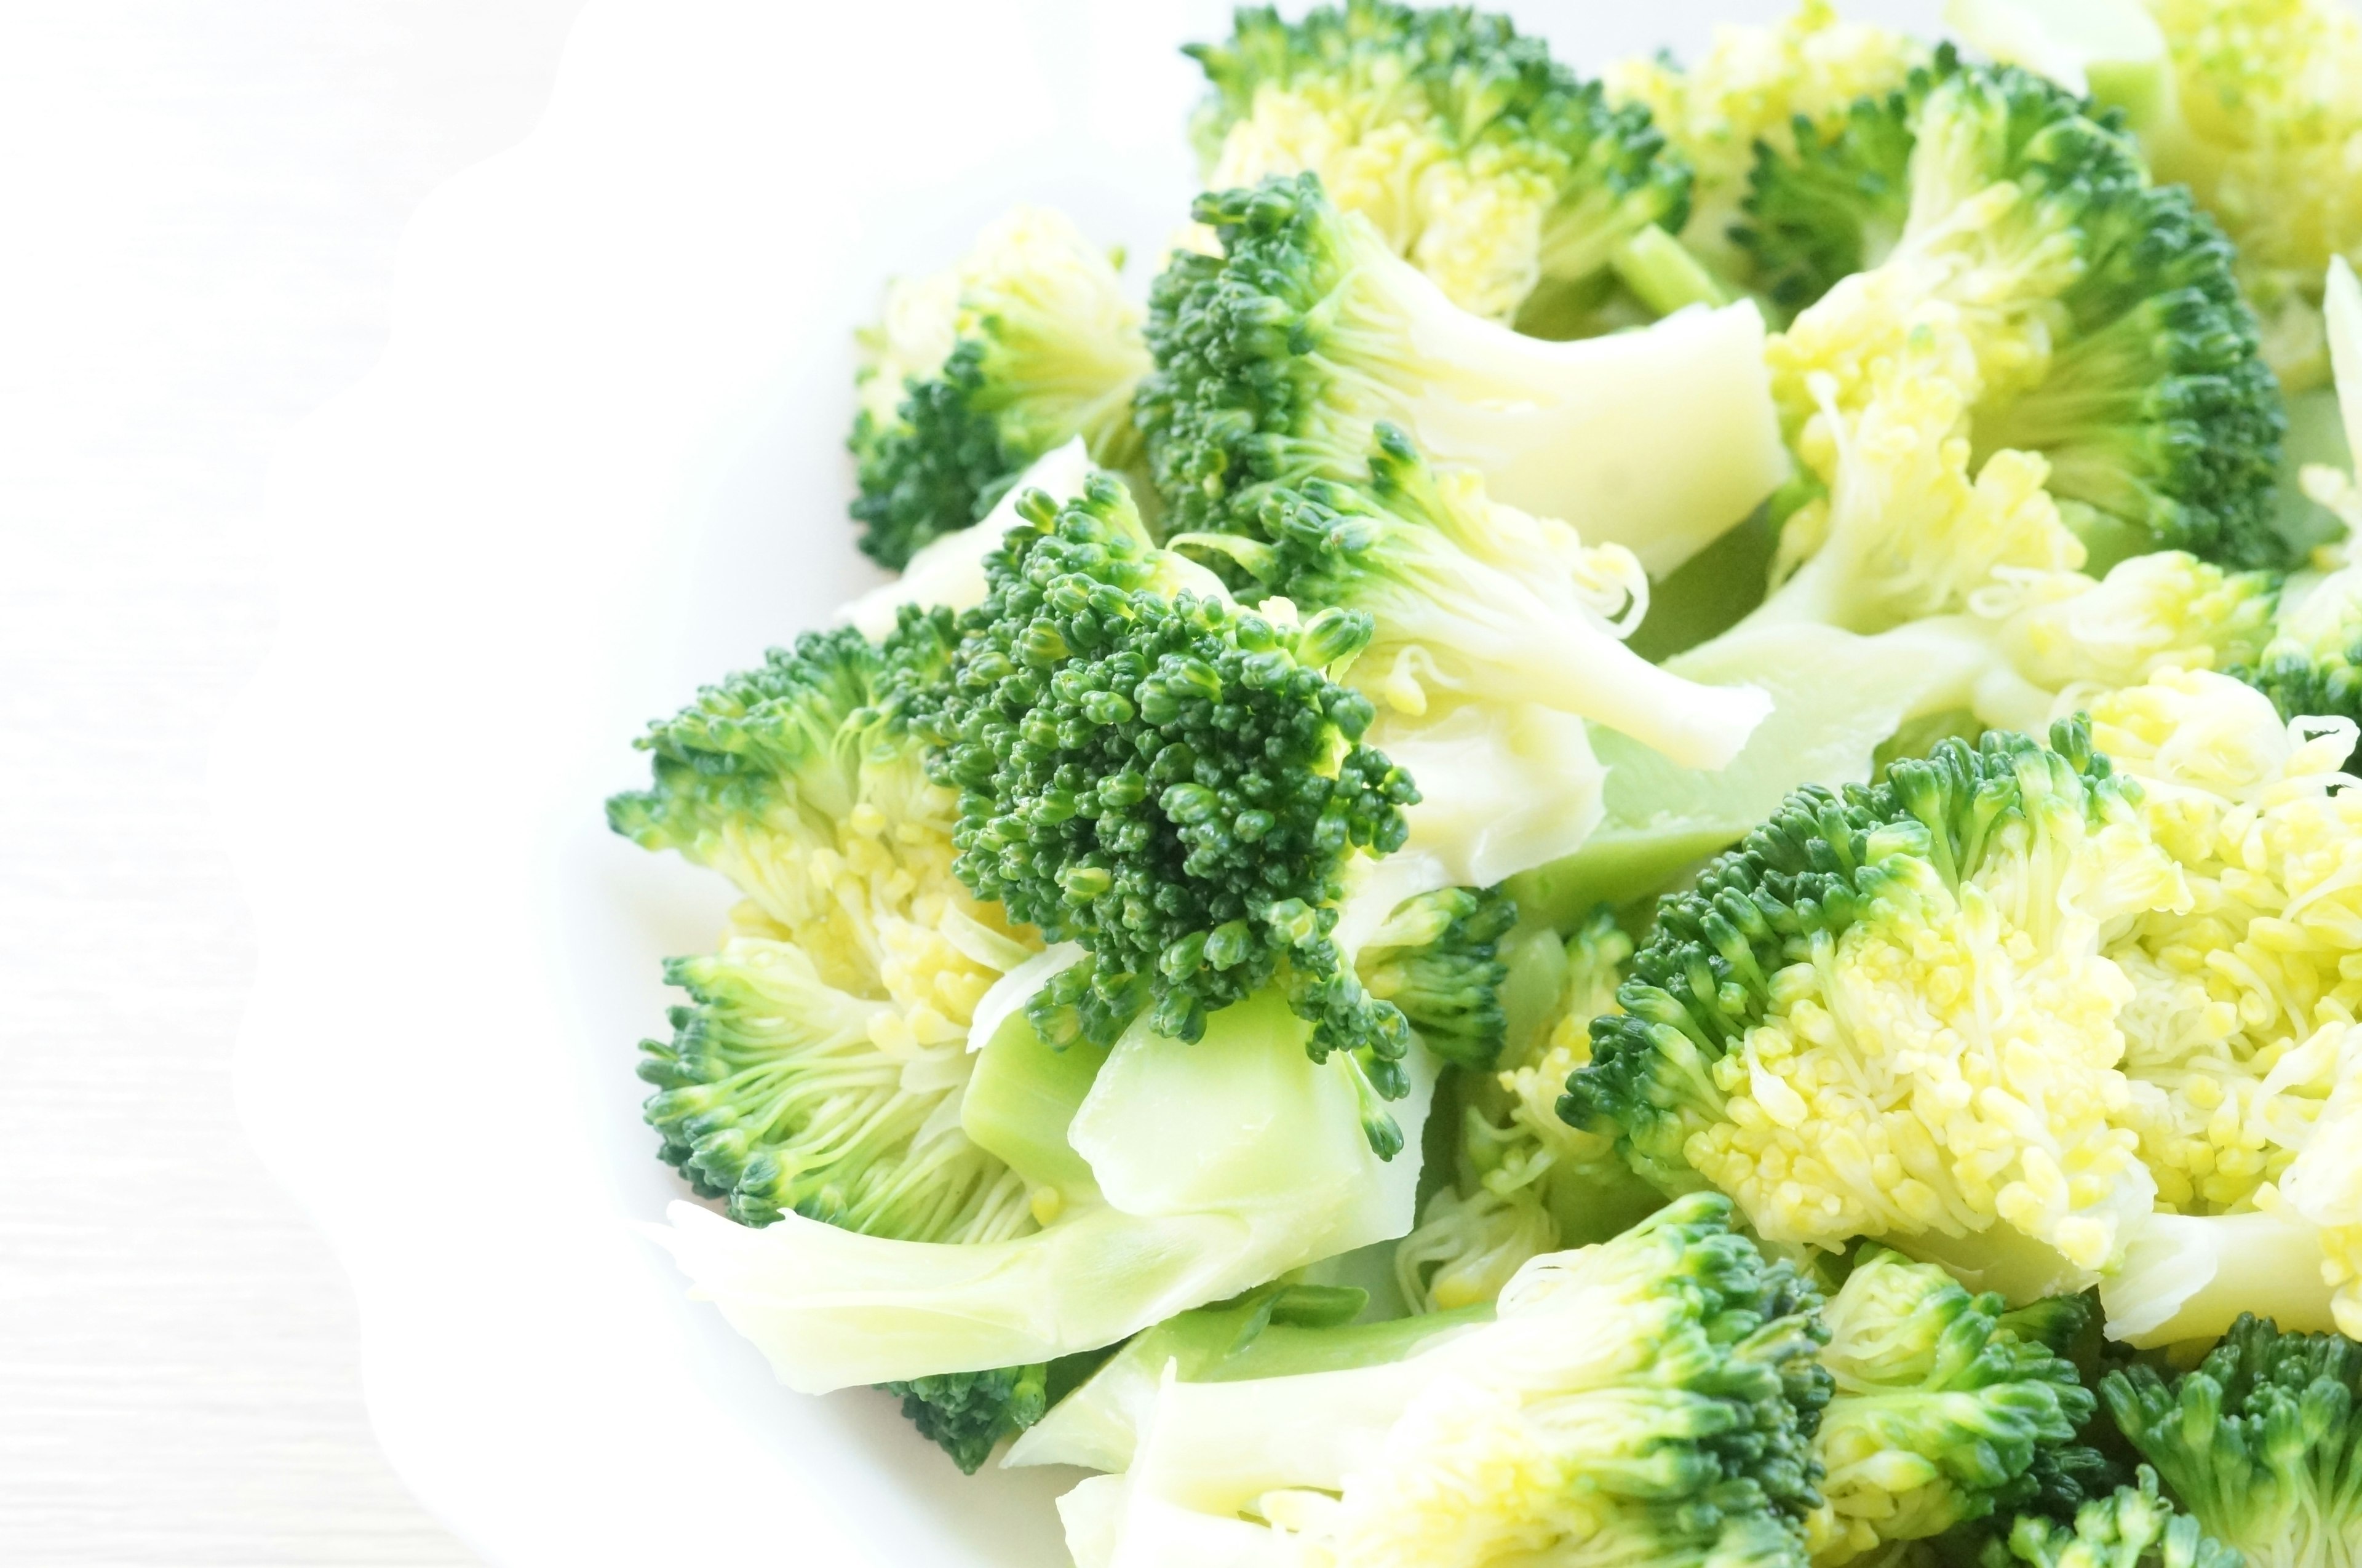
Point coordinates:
[(974, 372), (1437, 959), (2249, 102), (1472, 597), (2130, 1527), (1948, 1408), (967, 1413), (1523, 1182), (2108, 335), (788, 1085), (1648, 1399), (1172, 782), (1499, 173), (1277, 360), (1804, 1028), (1751, 89), (2257, 1441)]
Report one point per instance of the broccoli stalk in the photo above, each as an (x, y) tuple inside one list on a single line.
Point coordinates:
[(974, 372), (1170, 782), (1277, 360), (1493, 168)]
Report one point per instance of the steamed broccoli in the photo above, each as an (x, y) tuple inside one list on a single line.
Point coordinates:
[(1495, 170), (1466, 596), (2249, 102), (1436, 959), (821, 1043), (1170, 781), (1523, 1182), (2130, 1527), (2014, 1008), (1650, 1398), (2257, 1441), (1025, 343), (2106, 333), (1751, 89), (1277, 360), (966, 1414)]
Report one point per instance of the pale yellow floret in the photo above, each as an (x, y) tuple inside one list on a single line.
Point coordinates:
[(2271, 142), (1750, 86), (2078, 637), (2235, 997), (2323, 1185), (1475, 227)]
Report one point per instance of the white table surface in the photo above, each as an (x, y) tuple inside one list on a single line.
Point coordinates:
[(199, 207)]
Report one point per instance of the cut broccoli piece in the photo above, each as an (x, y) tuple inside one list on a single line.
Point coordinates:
[(1025, 343), (966, 1414), (1171, 782), (1648, 1399), (1277, 360), (1498, 172), (1437, 959), (1468, 596), (2130, 1527), (2108, 335), (791, 1083), (1948, 1408), (1787, 88), (2257, 1441)]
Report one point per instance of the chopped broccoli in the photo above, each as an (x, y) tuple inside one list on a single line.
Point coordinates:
[(967, 1413), (1171, 782), (1500, 174), (1751, 89), (1947, 1409), (2249, 102), (1650, 1398), (1025, 343), (1277, 360), (2257, 1441), (1468, 596), (2005, 1010), (2107, 333), (1523, 1182), (1436, 959), (2130, 1527), (810, 1070)]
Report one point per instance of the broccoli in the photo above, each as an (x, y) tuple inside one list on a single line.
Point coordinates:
[(2004, 1010), (1468, 596), (821, 1043), (1495, 170), (967, 1413), (2105, 329), (1751, 88), (1436, 959), (1947, 1409), (1170, 781), (2249, 102), (2133, 1526), (1277, 360), (1025, 343), (1649, 1399), (1523, 1182), (2258, 1441)]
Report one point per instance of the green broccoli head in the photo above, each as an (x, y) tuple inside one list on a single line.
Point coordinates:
[(1437, 958), (1500, 174), (789, 1083), (1278, 359), (1823, 960), (1171, 782), (2111, 336), (2258, 1440), (2133, 1526), (1948, 1408), (1025, 343), (967, 1413), (2312, 663), (1479, 598)]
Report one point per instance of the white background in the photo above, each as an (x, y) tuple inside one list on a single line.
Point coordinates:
[(199, 206)]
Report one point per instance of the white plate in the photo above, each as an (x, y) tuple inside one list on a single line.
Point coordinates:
[(600, 462)]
